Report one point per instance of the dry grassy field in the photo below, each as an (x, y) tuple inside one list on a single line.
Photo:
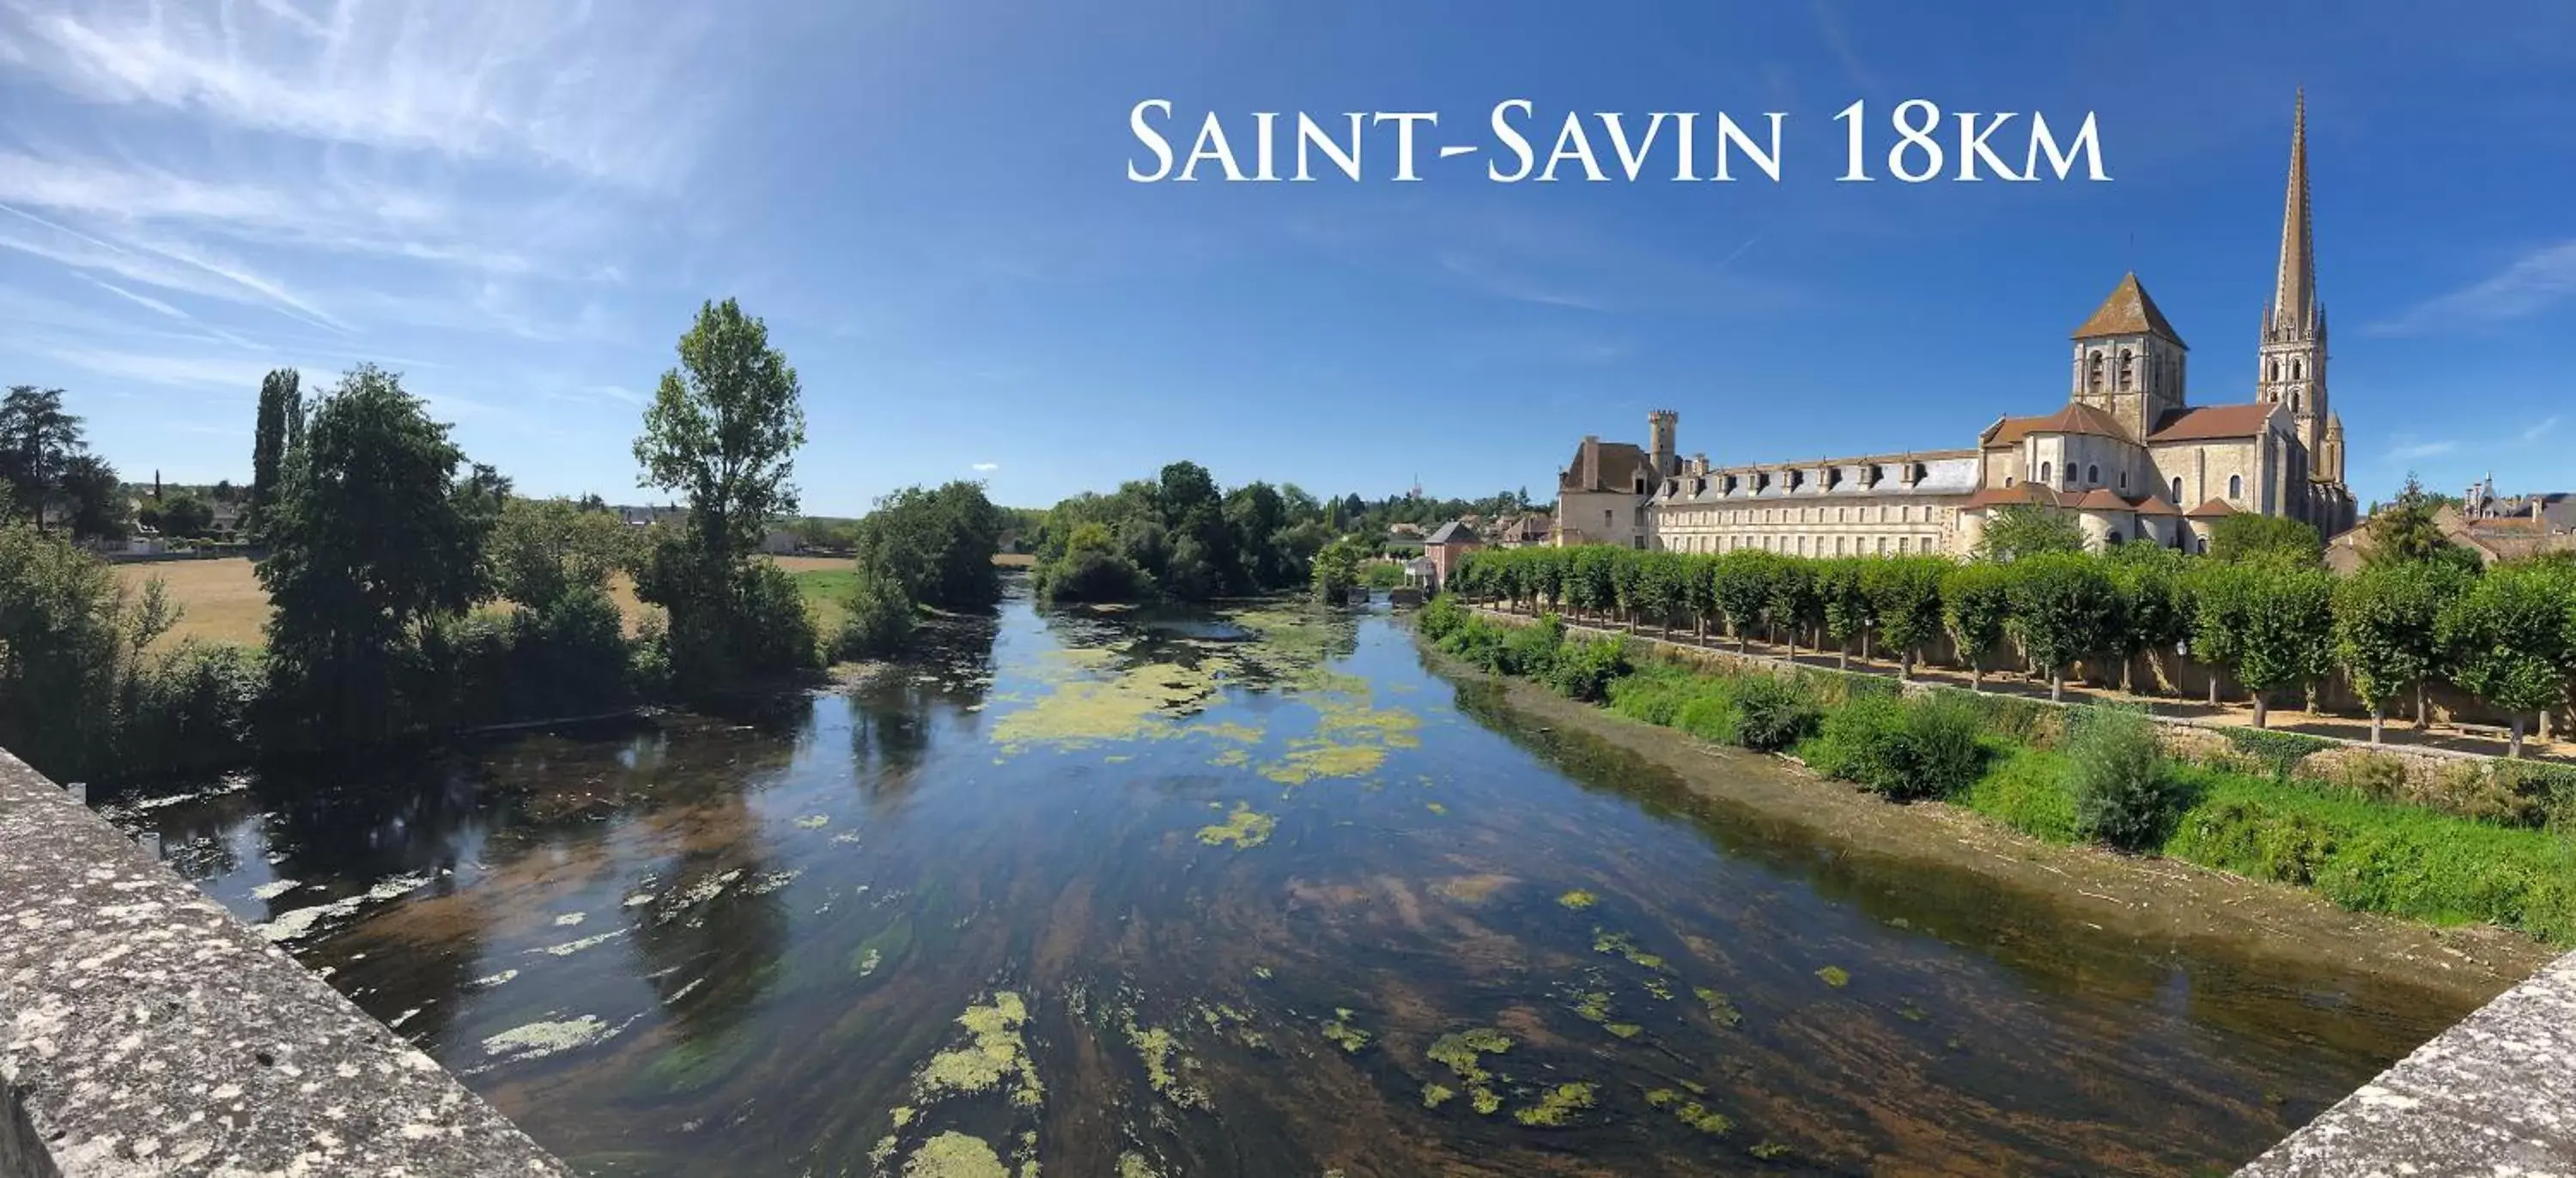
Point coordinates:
[(223, 601)]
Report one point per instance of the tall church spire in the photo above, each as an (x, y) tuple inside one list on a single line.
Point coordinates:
[(2294, 312)]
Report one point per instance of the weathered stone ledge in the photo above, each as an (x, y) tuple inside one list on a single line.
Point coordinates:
[(144, 1031), (2493, 1095)]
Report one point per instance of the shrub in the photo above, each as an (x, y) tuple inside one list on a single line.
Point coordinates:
[(878, 619), (1585, 669), (2124, 791), (1712, 715), (1655, 694), (1903, 750), (2253, 839), (1533, 650), (2027, 791), (1774, 713), (2545, 793), (1440, 616), (2278, 752), (2372, 775), (1092, 574), (192, 710), (1477, 641)]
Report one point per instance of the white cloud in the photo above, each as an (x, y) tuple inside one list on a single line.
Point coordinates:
[(987, 467), (2532, 283), (2539, 429), (2422, 450), (139, 300)]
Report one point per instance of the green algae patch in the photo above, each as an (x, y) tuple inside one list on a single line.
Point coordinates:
[(1623, 1030), (995, 1054), (1463, 1053), (1578, 899), (1167, 1067), (1132, 1164), (1606, 942), (1690, 1112), (955, 1155), (883, 951), (1230, 730), (1149, 702), (1769, 1151), (1246, 828), (1592, 1005), (1339, 1030), (1436, 808), (1231, 758), (1308, 760), (1835, 976), (1435, 1095), (1558, 1107), (1720, 1007)]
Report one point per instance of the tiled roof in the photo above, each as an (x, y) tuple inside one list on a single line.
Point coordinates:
[(2155, 505), (1608, 466), (2127, 312), (2075, 418), (2032, 494), (2214, 421), (1453, 532), (2214, 509), (2101, 499)]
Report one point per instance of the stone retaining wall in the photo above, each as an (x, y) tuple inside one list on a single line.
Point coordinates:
[(144, 1031)]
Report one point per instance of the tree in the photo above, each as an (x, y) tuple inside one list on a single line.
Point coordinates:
[(180, 514), (543, 550), (2154, 614), (2387, 630), (1905, 597), (2016, 530), (279, 398), (72, 637), (935, 546), (37, 442), (2062, 607), (2245, 537), (1847, 607), (2286, 633), (1976, 605), (1592, 580), (2509, 639), (723, 430), (1337, 569), (2220, 597), (1795, 602), (1740, 582), (370, 545)]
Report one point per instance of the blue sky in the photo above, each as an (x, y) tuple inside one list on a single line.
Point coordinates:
[(520, 203)]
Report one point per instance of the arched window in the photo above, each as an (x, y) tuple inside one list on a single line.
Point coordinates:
[(2272, 371), (1838, 546), (2177, 490), (2113, 539), (2204, 545), (2236, 486), (2127, 362), (2043, 473), (2093, 373), (2007, 480), (2092, 476), (2294, 401), (2124, 480), (2297, 367)]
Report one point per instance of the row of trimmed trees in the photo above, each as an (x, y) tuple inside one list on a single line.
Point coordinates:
[(2506, 635)]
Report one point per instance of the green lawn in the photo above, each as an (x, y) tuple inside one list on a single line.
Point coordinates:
[(825, 589)]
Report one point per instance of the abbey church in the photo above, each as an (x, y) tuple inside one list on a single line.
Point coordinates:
[(2128, 454)]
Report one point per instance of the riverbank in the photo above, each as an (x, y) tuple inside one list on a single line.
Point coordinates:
[(2156, 899)]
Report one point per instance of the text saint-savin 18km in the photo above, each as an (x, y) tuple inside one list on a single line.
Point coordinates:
[(1917, 143)]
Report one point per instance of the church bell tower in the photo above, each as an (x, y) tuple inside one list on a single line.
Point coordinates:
[(2292, 357)]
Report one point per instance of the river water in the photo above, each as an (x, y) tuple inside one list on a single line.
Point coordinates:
[(1246, 892)]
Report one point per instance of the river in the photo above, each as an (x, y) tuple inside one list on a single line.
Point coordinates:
[(1252, 891)]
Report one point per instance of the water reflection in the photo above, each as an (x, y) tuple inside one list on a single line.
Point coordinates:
[(1241, 893)]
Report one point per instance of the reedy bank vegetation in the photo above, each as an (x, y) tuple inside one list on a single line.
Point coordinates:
[(2272, 618), (2102, 774)]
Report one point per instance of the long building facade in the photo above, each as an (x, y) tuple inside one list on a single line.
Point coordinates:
[(2127, 455)]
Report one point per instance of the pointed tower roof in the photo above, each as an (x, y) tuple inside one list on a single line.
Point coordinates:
[(2127, 312), (2294, 289)]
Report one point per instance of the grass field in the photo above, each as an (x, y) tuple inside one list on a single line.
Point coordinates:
[(223, 602)]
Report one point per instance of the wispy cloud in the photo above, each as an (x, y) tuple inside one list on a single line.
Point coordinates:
[(2410, 452), (2527, 286), (987, 467), (138, 300), (2540, 429)]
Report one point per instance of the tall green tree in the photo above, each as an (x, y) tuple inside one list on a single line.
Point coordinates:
[(2274, 539), (2220, 596), (2062, 609), (38, 441), (371, 545), (935, 545), (2154, 613), (280, 399), (2288, 635), (1740, 582), (1976, 607), (2387, 630), (2509, 639), (1905, 598), (2016, 530), (1849, 613), (2409, 531), (723, 430), (1795, 605), (543, 550)]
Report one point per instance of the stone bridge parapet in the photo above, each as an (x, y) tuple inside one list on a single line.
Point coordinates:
[(144, 1031)]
